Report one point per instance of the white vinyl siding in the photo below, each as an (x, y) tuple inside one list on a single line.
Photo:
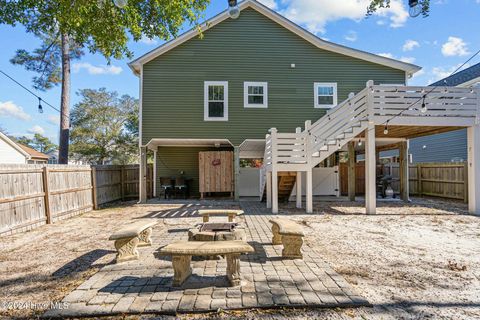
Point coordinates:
[(9, 154), (255, 94), (216, 101), (325, 94)]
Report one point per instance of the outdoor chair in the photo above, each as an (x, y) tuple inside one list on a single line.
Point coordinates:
[(181, 187), (166, 185)]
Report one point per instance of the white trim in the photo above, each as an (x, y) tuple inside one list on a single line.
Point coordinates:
[(206, 84), (14, 145), (281, 20), (469, 83), (155, 172), (264, 85), (316, 95)]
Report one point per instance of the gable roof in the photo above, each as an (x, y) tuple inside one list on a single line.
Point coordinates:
[(32, 152), (409, 68), (465, 77), (13, 144)]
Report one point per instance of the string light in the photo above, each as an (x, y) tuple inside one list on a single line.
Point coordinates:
[(424, 106), (385, 131), (40, 108), (359, 142)]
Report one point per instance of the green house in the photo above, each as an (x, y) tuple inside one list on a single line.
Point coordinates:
[(226, 89)]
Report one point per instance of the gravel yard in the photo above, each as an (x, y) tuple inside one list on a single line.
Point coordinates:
[(412, 262)]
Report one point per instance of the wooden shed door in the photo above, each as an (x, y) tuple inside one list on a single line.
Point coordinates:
[(215, 171)]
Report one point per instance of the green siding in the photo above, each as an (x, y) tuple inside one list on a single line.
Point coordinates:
[(172, 160), (251, 48)]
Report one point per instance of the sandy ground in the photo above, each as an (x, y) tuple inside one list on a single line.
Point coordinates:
[(414, 262)]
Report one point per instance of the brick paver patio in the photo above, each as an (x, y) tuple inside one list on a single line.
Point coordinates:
[(268, 280)]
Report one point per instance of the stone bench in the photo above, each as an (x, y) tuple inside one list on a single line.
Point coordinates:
[(206, 213), (128, 238), (290, 234), (182, 252)]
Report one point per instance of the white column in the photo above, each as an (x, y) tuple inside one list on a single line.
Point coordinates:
[(298, 181), (473, 138), (299, 189), (309, 192), (269, 189), (155, 172), (274, 191), (143, 176), (370, 170)]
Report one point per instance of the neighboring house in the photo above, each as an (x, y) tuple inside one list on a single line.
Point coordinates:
[(16, 153), (53, 158), (245, 76), (449, 146)]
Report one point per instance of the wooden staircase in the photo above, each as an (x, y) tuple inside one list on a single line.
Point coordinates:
[(286, 182)]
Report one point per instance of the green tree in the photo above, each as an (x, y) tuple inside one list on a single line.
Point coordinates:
[(38, 142), (105, 26), (104, 128), (423, 6)]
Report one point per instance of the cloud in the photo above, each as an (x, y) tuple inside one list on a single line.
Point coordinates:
[(315, 14), (439, 73), (409, 45), (36, 129), (351, 36), (269, 3), (419, 73), (146, 40), (391, 56), (10, 109), (95, 70), (455, 47), (53, 119)]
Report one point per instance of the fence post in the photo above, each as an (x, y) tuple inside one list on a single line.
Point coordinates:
[(465, 182), (94, 188), (122, 182), (419, 180), (47, 195)]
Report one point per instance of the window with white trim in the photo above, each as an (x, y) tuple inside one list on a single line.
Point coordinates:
[(255, 94), (325, 94), (216, 101)]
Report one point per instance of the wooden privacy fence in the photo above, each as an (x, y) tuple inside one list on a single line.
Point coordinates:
[(120, 182), (446, 180), (33, 195)]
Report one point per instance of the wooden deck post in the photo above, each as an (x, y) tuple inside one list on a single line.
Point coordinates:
[(473, 138), (309, 178), (48, 214), (309, 192), (299, 190), (351, 171), (298, 181), (143, 176), (274, 191), (370, 157), (236, 168), (403, 171), (269, 189), (94, 188)]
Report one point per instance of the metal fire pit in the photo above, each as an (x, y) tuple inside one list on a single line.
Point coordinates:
[(215, 231)]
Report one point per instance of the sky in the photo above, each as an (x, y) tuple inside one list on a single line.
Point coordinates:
[(438, 43)]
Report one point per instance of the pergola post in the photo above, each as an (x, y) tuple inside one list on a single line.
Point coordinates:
[(473, 138), (143, 176), (309, 182), (351, 171), (309, 192), (155, 172), (403, 171), (236, 168), (269, 189)]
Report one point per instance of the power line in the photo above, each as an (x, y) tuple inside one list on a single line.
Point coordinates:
[(40, 99)]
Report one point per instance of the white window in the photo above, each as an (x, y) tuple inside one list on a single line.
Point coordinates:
[(255, 95), (325, 94), (216, 101)]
